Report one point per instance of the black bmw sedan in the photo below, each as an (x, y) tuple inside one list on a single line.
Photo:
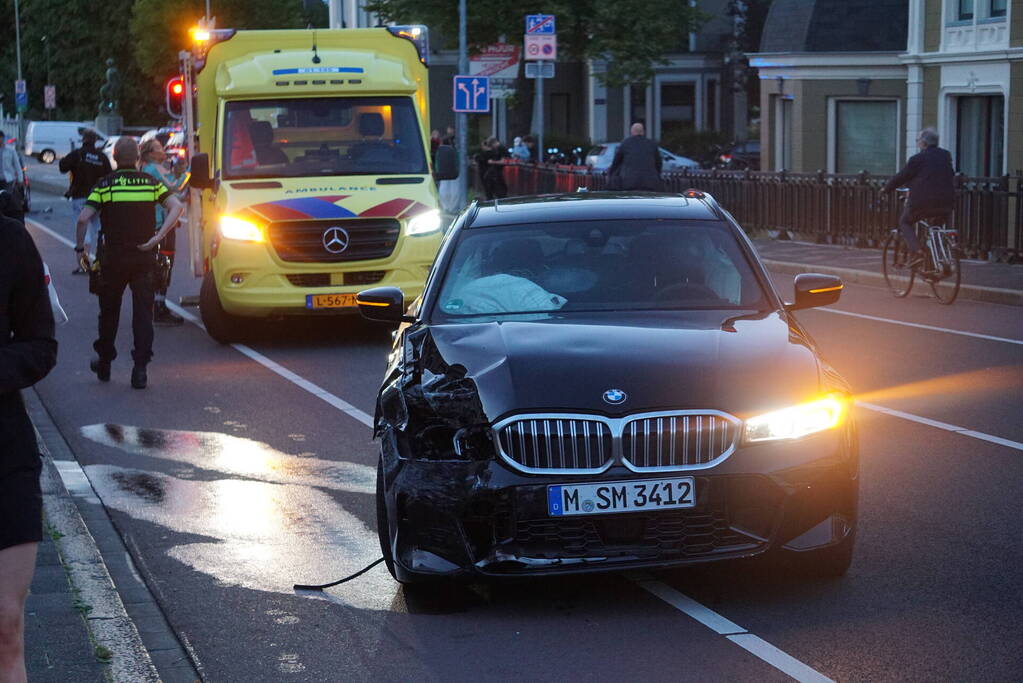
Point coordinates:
[(596, 382)]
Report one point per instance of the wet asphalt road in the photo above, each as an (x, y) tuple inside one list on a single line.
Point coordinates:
[(230, 483)]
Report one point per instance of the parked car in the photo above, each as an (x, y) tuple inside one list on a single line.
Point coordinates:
[(596, 382), (47, 141), (600, 157), (742, 155)]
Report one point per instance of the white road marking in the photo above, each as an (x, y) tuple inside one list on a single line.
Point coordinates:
[(755, 645), (943, 425), (75, 481), (933, 328)]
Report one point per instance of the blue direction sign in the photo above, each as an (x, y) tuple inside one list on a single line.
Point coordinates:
[(538, 24), (20, 96), (472, 94)]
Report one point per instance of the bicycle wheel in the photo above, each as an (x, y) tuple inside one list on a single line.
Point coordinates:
[(897, 273), (945, 283)]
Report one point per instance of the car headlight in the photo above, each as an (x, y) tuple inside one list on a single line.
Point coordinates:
[(424, 223), (234, 228), (797, 421)]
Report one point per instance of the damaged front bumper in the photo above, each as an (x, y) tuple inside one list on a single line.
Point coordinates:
[(466, 518)]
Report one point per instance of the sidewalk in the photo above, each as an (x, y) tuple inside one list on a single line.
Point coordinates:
[(90, 616), (981, 281), (58, 646)]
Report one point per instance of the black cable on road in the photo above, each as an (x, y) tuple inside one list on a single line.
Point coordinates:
[(320, 587)]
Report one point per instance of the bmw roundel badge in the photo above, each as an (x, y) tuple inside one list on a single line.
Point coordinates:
[(614, 396)]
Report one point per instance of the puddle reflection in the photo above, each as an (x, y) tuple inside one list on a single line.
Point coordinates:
[(271, 528), (236, 456)]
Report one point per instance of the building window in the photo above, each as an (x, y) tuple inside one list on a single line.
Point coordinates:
[(866, 136), (997, 8), (637, 106), (965, 12), (980, 135), (678, 107)]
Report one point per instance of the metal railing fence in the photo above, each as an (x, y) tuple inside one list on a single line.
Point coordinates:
[(828, 208)]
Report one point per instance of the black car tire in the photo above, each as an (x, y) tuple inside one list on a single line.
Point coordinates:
[(221, 325), (47, 156), (383, 527)]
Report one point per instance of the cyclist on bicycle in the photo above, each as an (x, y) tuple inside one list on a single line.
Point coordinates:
[(930, 179)]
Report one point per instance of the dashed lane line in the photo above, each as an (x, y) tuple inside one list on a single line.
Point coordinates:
[(706, 616)]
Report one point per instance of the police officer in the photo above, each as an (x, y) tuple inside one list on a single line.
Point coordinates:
[(86, 166), (28, 351), (126, 201)]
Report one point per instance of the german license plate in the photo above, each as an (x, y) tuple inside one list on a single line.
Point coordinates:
[(330, 300), (621, 496)]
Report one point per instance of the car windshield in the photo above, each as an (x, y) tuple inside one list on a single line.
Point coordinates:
[(322, 137), (621, 265)]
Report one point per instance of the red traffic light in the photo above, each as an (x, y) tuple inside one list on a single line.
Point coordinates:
[(175, 97)]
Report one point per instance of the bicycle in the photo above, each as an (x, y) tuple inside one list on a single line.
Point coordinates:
[(940, 267)]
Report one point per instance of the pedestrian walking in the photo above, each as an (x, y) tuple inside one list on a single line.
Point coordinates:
[(492, 169), (28, 351), (153, 158), (931, 181), (12, 177), (637, 163), (126, 201), (86, 165)]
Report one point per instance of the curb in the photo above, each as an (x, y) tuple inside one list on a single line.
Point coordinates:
[(991, 295), (144, 649)]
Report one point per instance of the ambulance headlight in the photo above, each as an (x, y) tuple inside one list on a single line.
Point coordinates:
[(424, 223), (234, 228)]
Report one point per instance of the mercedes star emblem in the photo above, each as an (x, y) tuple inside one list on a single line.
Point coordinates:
[(615, 396), (335, 239)]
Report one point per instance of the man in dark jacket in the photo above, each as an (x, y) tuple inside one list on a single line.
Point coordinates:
[(28, 351), (637, 163), (931, 182), (86, 165)]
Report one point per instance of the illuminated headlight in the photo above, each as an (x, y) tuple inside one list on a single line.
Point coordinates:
[(234, 228), (424, 223), (797, 421)]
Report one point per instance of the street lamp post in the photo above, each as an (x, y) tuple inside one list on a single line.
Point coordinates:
[(17, 52), (461, 120)]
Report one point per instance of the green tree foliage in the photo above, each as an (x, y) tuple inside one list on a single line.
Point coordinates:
[(631, 35), (142, 36), (159, 28)]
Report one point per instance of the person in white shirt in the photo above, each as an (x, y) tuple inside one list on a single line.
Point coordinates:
[(11, 175)]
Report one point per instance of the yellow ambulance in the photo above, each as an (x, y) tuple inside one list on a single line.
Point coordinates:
[(314, 164)]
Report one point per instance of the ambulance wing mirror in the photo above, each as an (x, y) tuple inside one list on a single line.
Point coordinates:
[(201, 172), (445, 165)]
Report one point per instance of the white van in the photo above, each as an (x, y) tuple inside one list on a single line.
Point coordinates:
[(48, 141)]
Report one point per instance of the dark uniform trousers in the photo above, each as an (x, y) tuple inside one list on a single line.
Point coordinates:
[(120, 270)]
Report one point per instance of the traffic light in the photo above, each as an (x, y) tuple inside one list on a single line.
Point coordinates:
[(175, 97)]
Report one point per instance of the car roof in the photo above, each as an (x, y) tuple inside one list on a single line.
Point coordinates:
[(592, 206)]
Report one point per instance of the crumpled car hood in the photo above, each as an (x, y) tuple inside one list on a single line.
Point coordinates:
[(661, 360)]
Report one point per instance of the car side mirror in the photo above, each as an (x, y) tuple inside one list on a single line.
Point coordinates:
[(445, 165), (200, 178), (383, 304), (814, 289)]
